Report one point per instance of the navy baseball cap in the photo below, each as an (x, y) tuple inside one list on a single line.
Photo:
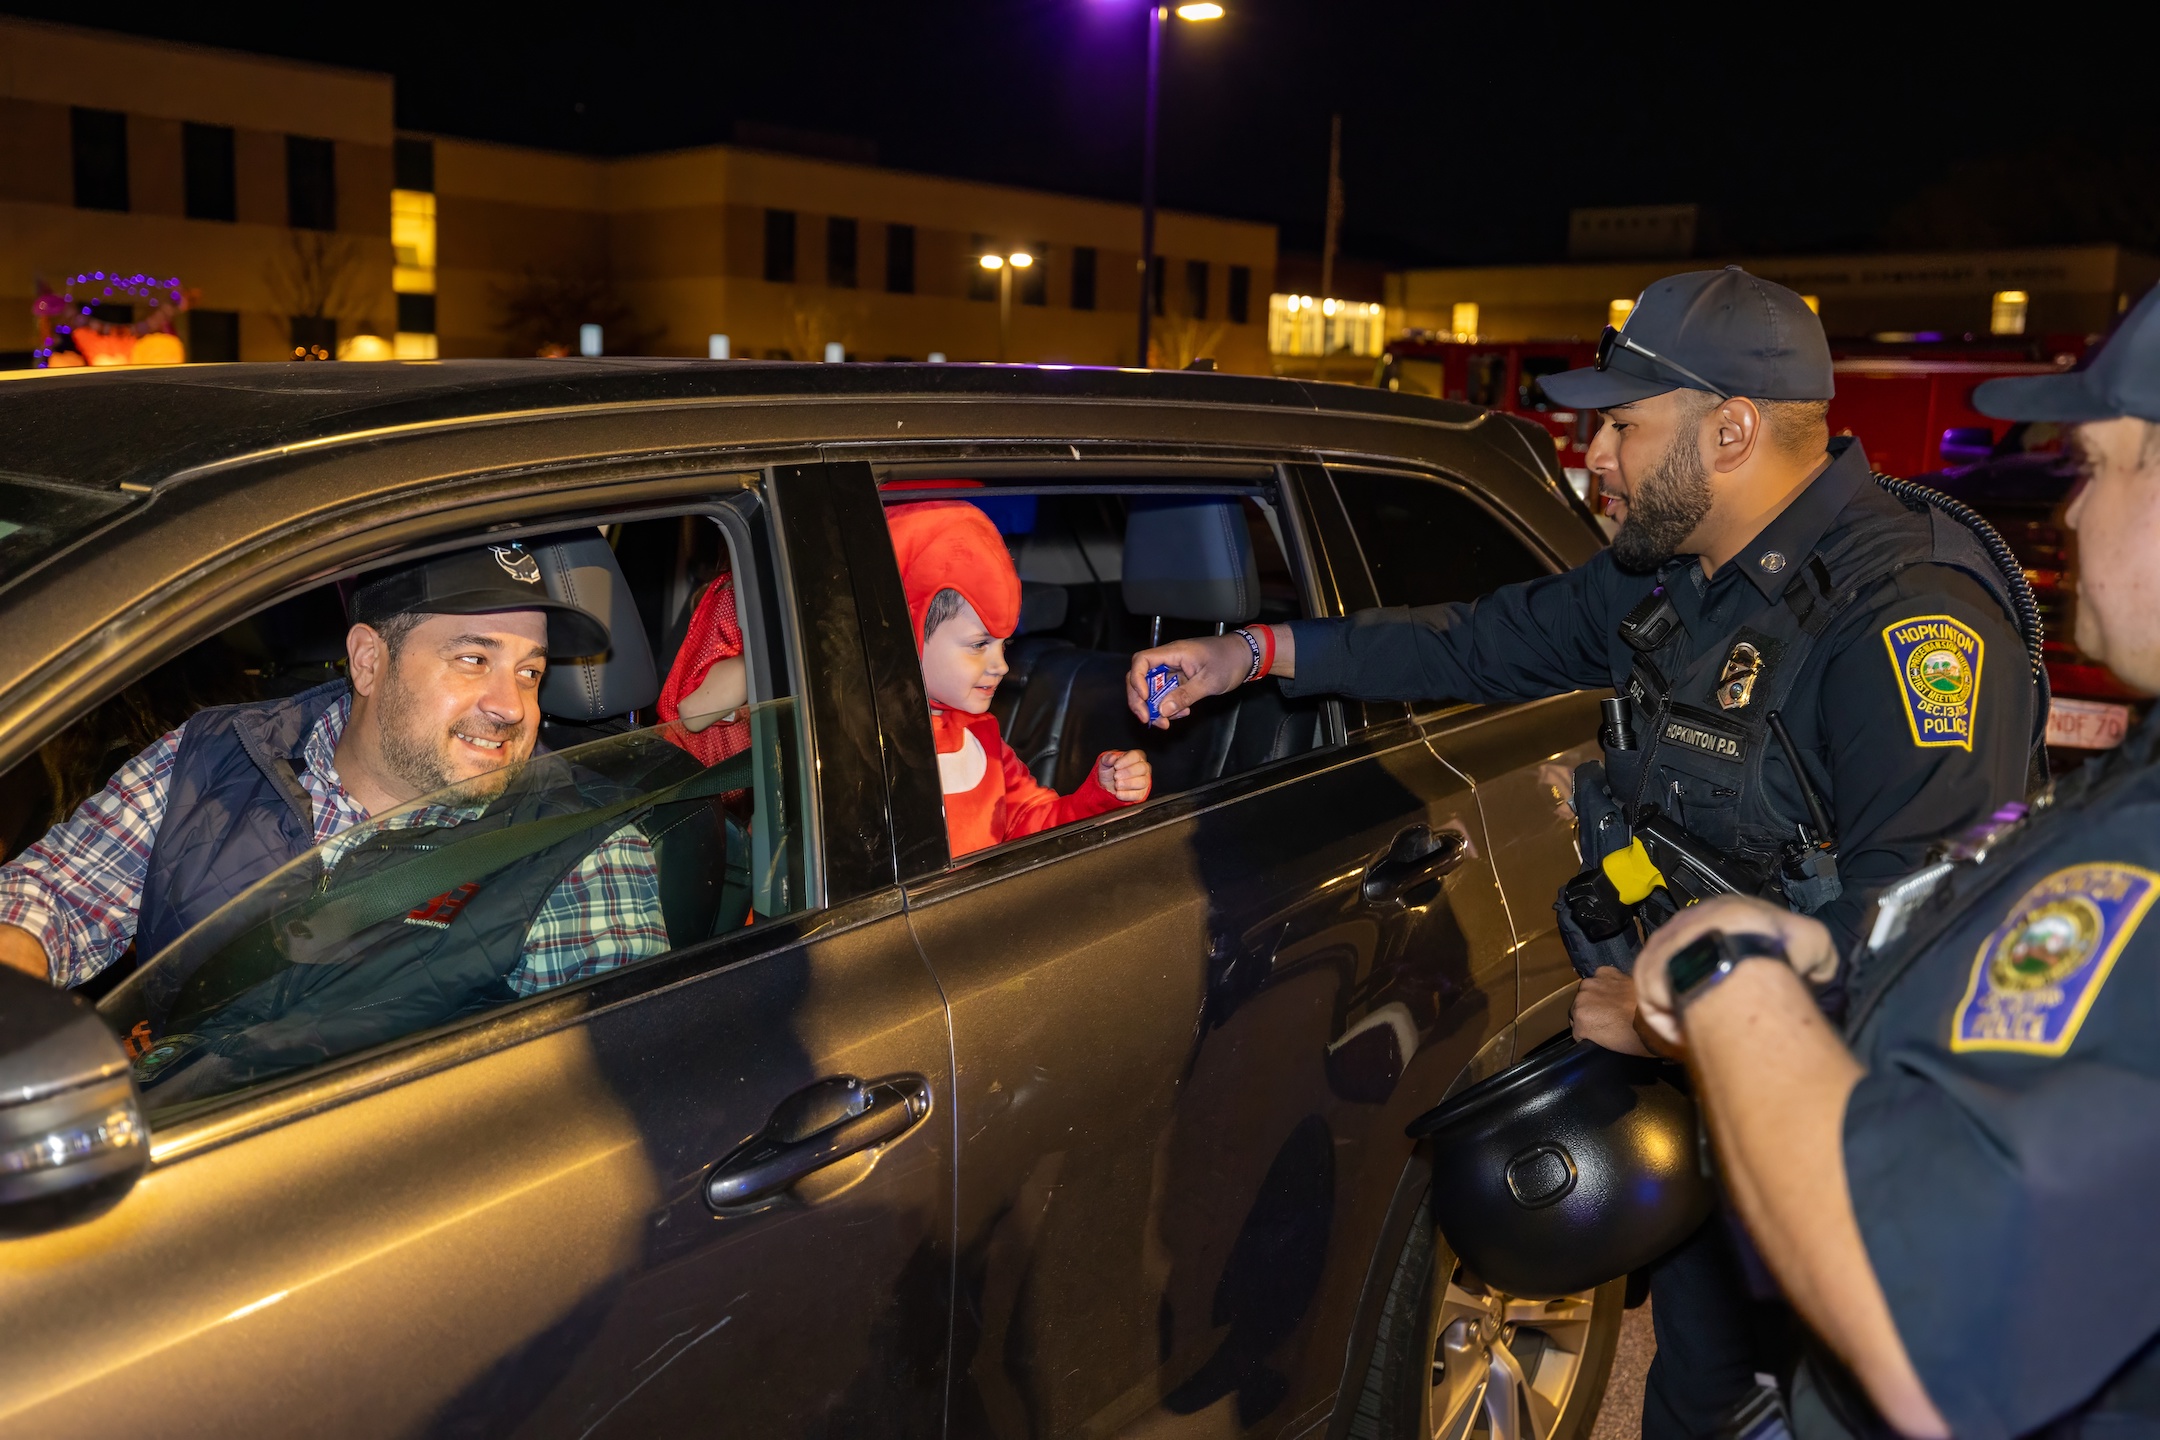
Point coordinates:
[(1724, 331), (483, 581), (2120, 378)]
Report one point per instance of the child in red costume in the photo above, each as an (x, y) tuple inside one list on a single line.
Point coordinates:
[(963, 596), (708, 682)]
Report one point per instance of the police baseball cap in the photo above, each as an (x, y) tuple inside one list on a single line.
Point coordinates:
[(485, 581), (2121, 378), (1724, 331)]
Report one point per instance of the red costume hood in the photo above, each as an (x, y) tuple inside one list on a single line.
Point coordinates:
[(952, 545)]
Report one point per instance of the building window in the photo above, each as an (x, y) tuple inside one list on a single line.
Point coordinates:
[(1083, 278), (1303, 325), (780, 246), (1465, 319), (1616, 312), (900, 259), (1813, 303), (1240, 294), (310, 184), (2007, 316), (206, 157), (415, 165), (840, 252), (416, 314), (412, 242), (213, 335), (1156, 284), (1196, 287), (982, 284), (1032, 285), (101, 168)]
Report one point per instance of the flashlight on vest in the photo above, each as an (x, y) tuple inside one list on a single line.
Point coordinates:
[(1618, 731)]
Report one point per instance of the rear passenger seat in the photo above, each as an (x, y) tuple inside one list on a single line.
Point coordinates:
[(1061, 706)]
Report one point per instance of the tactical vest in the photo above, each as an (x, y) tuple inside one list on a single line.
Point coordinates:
[(1701, 762)]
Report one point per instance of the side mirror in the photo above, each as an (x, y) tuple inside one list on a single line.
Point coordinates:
[(72, 1137)]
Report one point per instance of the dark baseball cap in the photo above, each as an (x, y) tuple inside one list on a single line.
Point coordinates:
[(2120, 378), (1716, 330), (483, 581)]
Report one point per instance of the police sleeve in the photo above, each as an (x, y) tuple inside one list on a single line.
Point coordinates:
[(1926, 707), (1521, 642), (2005, 1203)]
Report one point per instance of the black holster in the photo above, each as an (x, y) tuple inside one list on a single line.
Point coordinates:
[(1587, 907)]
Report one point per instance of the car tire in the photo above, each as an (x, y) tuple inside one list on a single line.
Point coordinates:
[(1451, 1358)]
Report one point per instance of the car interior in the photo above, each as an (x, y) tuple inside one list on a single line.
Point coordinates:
[(1103, 575)]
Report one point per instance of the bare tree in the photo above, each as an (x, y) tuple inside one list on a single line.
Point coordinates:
[(323, 276), (540, 314)]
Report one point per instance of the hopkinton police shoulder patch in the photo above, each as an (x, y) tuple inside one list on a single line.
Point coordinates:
[(2038, 973), (1937, 660)]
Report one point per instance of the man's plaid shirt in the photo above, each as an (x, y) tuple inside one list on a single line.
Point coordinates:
[(79, 889)]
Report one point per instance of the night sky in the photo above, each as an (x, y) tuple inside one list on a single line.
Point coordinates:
[(1469, 130)]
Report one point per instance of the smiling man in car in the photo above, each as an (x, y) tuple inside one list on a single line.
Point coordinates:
[(445, 659), (1796, 650)]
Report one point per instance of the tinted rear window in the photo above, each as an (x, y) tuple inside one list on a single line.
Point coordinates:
[(1428, 544)]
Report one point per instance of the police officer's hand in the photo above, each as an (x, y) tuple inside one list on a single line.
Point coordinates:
[(1808, 947), (1604, 1012), (1210, 665)]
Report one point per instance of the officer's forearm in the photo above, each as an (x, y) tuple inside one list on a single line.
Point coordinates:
[(1774, 1081), (1285, 651)]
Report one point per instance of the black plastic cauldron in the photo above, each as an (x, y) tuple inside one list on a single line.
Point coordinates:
[(1568, 1170)]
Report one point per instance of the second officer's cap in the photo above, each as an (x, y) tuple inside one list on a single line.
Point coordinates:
[(2121, 378), (1718, 330)]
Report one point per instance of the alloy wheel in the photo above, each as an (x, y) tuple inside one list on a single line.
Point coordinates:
[(1503, 1367)]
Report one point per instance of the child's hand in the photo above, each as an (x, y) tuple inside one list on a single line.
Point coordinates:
[(1126, 774)]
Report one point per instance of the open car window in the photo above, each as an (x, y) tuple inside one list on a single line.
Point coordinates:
[(574, 864)]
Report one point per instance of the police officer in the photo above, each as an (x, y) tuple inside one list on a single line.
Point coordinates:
[(1958, 1196), (1758, 570)]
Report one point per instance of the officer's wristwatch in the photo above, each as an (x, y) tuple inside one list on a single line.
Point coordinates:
[(1699, 965)]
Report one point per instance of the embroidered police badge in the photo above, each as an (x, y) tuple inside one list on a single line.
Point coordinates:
[(1937, 660), (2038, 973)]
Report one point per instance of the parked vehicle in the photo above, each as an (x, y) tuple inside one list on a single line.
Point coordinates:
[(1100, 1131), (2020, 483), (1502, 376)]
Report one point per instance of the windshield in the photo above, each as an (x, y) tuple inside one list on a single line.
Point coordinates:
[(505, 886), (38, 517)]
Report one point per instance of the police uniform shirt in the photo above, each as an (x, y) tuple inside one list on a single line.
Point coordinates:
[(1852, 711), (2003, 1149)]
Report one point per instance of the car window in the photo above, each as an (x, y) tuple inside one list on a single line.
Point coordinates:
[(1101, 576), (1428, 543), (38, 517), (572, 865)]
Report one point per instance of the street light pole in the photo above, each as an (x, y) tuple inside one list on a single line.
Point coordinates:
[(1156, 15), (1005, 265)]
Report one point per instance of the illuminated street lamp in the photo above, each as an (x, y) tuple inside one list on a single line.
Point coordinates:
[(1005, 265), (1157, 14)]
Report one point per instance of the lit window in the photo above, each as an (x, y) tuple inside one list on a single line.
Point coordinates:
[(1304, 325), (409, 346), (1813, 303), (2008, 314), (1617, 311), (412, 240), (1466, 320)]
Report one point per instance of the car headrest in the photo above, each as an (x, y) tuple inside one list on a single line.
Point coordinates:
[(581, 570), (1042, 607), (1190, 560)]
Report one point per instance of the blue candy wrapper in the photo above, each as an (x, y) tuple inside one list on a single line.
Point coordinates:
[(1160, 681)]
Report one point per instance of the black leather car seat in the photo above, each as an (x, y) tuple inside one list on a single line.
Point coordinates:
[(703, 853), (1184, 559)]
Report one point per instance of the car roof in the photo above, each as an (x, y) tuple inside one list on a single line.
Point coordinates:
[(104, 430)]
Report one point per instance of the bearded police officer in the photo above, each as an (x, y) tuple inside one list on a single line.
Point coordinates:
[(1958, 1195), (1816, 677)]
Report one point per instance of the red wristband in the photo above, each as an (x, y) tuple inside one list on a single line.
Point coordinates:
[(1267, 651)]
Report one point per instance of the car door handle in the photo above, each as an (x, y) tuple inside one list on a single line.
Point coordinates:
[(1417, 856), (813, 1128)]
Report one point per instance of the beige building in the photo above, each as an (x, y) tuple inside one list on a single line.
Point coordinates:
[(2065, 290), (282, 196)]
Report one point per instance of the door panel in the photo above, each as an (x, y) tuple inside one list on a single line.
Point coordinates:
[(519, 1244), (1169, 1186), (1523, 759)]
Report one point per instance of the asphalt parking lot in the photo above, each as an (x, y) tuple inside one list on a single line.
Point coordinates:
[(1620, 1417)]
